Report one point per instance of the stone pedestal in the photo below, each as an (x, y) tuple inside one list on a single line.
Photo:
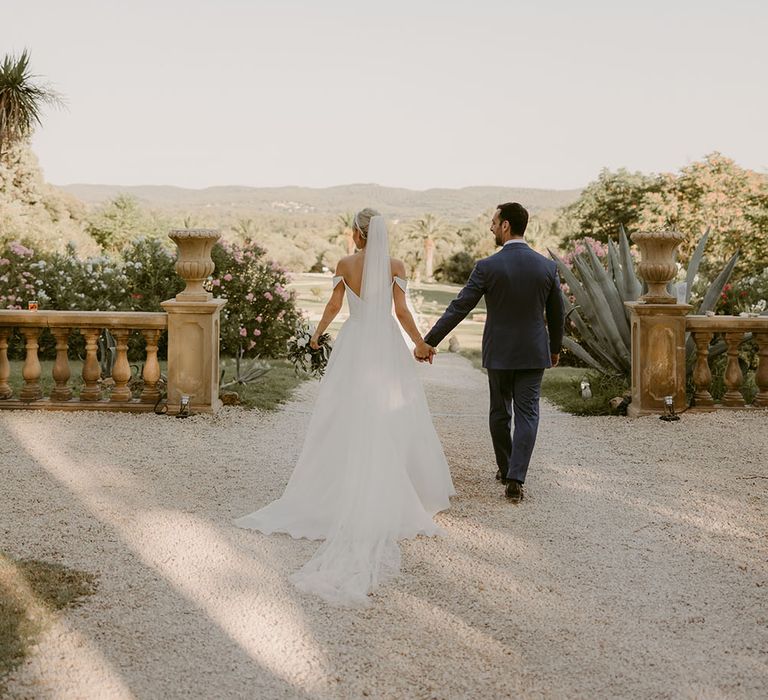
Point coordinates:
[(658, 356), (193, 326), (193, 353)]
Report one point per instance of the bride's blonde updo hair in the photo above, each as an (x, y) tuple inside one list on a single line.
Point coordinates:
[(362, 221)]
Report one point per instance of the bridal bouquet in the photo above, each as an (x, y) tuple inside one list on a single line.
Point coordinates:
[(303, 357)]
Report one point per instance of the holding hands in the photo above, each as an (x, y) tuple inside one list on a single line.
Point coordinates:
[(424, 352)]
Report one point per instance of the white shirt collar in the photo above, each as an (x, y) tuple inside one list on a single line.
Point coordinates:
[(515, 240)]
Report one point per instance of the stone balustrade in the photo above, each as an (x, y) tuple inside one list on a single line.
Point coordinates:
[(192, 320), (732, 329), (659, 353), (90, 323)]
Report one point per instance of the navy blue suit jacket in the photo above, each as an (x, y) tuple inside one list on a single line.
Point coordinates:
[(519, 286)]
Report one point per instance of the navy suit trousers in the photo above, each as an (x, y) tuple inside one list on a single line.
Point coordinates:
[(514, 394)]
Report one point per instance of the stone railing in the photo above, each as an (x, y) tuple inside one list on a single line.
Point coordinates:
[(732, 329), (192, 321), (659, 328), (90, 323)]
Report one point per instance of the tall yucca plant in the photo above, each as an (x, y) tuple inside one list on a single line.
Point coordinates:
[(600, 291), (21, 100)]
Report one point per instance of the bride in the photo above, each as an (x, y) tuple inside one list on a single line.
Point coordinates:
[(372, 470)]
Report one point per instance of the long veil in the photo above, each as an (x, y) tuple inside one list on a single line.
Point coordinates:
[(361, 550)]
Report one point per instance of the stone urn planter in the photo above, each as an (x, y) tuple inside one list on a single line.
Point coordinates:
[(194, 264), (657, 266)]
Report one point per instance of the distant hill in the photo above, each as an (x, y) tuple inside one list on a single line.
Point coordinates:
[(464, 203)]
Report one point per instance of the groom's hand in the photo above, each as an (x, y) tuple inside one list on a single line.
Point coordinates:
[(424, 352), (555, 359)]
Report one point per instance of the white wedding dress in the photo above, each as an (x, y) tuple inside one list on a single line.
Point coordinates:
[(372, 470)]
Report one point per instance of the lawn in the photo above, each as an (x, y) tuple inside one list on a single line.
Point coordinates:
[(30, 593), (270, 390), (430, 300), (562, 386)]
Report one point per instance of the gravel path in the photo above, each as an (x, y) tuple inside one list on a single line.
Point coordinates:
[(637, 565)]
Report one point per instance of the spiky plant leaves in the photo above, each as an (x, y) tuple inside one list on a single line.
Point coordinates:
[(693, 265), (716, 288), (600, 315), (616, 269), (619, 349), (572, 346), (588, 337), (633, 287), (589, 308), (708, 303), (612, 296)]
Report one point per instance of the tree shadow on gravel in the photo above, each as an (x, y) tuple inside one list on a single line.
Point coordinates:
[(156, 637), (664, 610)]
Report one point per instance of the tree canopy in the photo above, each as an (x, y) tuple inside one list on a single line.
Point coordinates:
[(713, 193)]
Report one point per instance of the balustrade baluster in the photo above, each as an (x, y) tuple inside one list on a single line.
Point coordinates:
[(91, 370), (761, 375), (61, 372), (734, 379), (5, 367), (151, 374), (702, 375), (31, 371), (121, 372)]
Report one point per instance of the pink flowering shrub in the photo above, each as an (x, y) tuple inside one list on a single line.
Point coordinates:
[(137, 279), (257, 321), (261, 313), (580, 246), (141, 277), (20, 280)]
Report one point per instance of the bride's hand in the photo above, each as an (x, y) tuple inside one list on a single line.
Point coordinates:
[(313, 342), (423, 352)]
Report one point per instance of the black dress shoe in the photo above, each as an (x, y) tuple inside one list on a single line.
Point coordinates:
[(502, 479), (514, 491)]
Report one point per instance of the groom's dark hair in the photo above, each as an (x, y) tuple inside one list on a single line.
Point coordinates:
[(515, 215)]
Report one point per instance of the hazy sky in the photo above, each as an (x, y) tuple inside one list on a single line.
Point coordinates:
[(419, 93)]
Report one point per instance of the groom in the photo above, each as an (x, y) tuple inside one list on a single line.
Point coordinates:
[(519, 286)]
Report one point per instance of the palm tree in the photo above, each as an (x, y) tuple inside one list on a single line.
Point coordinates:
[(429, 230), (245, 228), (21, 100), (344, 224)]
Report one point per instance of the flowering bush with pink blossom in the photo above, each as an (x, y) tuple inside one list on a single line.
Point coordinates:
[(138, 279), (261, 313), (20, 280), (257, 321), (580, 246)]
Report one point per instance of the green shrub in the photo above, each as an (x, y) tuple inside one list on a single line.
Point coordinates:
[(149, 269), (456, 269)]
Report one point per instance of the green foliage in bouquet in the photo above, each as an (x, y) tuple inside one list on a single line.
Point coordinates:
[(261, 313), (303, 358)]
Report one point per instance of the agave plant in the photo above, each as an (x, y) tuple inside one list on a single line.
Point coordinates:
[(246, 374), (107, 353), (599, 313)]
